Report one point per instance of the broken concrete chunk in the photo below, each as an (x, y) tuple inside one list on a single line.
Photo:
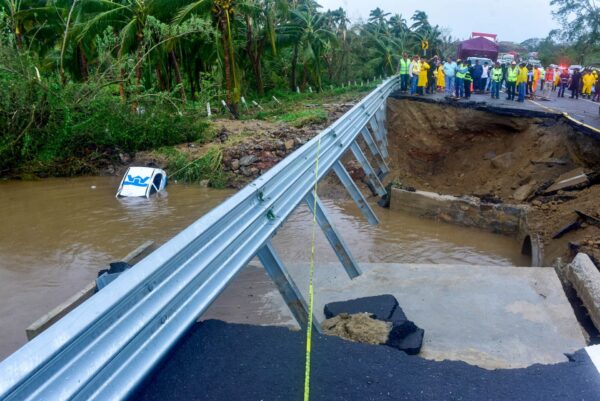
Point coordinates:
[(585, 277), (524, 191), (412, 343), (550, 162), (504, 161), (569, 180), (381, 307)]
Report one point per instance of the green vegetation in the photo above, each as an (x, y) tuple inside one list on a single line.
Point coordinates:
[(83, 80), (301, 118), (204, 168)]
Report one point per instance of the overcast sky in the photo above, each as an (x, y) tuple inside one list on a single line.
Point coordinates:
[(512, 20)]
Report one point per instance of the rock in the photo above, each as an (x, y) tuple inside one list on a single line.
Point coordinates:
[(204, 183), (247, 160), (524, 191), (536, 203), (124, 158), (289, 144), (246, 171), (504, 161), (235, 164), (489, 155)]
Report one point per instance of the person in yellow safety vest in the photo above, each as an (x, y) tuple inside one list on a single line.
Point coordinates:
[(496, 78), (459, 82), (441, 78), (588, 82), (522, 82), (422, 78), (512, 74), (403, 67)]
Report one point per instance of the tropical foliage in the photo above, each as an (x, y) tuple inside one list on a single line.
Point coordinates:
[(238, 46), (82, 76)]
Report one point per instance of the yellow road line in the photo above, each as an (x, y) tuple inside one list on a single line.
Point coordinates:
[(567, 116)]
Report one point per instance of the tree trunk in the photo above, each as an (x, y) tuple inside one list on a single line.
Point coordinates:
[(159, 78), (293, 82), (254, 53), (228, 69), (122, 85), (83, 65), (177, 75), (138, 67)]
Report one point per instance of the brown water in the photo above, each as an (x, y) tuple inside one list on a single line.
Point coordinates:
[(56, 234)]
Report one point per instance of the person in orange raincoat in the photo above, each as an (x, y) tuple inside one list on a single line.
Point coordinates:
[(441, 78), (536, 79), (422, 83)]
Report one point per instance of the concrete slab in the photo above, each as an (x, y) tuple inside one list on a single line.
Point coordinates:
[(492, 317)]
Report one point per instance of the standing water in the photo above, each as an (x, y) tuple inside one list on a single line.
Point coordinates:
[(57, 233)]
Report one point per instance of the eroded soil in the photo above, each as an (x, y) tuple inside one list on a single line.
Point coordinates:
[(463, 151)]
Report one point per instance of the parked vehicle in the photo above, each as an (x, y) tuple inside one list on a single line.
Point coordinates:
[(482, 60)]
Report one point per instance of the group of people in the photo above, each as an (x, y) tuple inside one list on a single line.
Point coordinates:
[(460, 78)]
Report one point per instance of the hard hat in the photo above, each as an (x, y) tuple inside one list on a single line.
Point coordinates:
[(514, 63)]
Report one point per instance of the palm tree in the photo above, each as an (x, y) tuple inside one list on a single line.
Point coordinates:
[(223, 16), (378, 17), (309, 30), (421, 21), (383, 54), (261, 18)]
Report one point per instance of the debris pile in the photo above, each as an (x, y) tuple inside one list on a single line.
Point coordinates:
[(542, 163), (373, 320)]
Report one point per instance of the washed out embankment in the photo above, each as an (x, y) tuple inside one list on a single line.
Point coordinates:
[(507, 159)]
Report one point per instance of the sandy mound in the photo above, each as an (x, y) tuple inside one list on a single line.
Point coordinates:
[(360, 327)]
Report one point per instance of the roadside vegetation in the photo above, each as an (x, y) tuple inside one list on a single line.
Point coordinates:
[(84, 81)]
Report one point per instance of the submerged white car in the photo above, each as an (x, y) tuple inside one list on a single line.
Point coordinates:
[(142, 182)]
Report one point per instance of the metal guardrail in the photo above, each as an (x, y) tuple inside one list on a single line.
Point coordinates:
[(105, 347)]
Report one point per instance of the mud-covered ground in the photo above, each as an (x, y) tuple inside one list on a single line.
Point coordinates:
[(463, 151), (250, 147)]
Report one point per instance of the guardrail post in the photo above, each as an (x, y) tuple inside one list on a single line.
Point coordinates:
[(380, 115), (291, 295), (375, 185), (336, 241), (355, 193), (378, 137), (383, 167)]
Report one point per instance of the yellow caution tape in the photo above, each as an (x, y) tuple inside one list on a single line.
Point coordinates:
[(310, 282)]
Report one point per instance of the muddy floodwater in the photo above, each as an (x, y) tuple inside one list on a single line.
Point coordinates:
[(56, 234)]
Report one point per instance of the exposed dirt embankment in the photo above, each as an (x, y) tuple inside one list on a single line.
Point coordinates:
[(462, 151)]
